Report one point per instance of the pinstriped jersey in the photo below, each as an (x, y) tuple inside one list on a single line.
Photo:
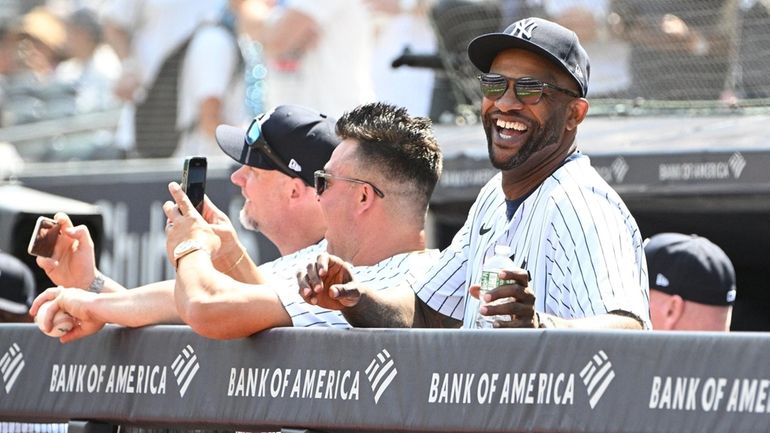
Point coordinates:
[(573, 233), (401, 269)]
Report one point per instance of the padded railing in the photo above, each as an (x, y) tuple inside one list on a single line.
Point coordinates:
[(392, 380)]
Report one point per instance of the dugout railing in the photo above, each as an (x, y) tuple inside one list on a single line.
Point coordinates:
[(391, 380)]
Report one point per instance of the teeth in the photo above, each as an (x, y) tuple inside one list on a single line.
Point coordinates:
[(517, 126)]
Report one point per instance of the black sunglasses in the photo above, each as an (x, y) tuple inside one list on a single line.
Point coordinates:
[(256, 140), (322, 182), (528, 90)]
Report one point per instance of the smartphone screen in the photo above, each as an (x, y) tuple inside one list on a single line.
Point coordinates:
[(194, 180), (44, 237)]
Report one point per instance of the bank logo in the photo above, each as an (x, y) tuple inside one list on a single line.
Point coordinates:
[(11, 365), (619, 169), (737, 163), (380, 372), (184, 367), (597, 376)]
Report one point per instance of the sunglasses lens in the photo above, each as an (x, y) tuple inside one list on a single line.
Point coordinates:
[(320, 183), (254, 132), (493, 86), (529, 90)]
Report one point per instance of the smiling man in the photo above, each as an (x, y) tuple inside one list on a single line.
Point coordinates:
[(578, 250)]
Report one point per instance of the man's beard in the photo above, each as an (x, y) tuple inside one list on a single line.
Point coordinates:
[(247, 222), (541, 136)]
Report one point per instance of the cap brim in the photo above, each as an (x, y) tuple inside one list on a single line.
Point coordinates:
[(230, 140), (483, 49)]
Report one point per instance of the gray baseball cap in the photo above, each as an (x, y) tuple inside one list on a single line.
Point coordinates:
[(543, 37)]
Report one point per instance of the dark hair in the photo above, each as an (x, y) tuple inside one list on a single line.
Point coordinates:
[(400, 147), (86, 19)]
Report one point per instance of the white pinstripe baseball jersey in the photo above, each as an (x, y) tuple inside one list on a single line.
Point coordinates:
[(406, 268), (573, 233), (286, 267)]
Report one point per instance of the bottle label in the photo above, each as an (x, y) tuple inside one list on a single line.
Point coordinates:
[(490, 280)]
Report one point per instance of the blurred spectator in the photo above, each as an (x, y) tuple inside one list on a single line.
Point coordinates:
[(692, 283), (9, 67), (181, 69), (43, 38), (679, 49), (17, 289), (93, 68), (318, 53), (402, 25), (34, 94)]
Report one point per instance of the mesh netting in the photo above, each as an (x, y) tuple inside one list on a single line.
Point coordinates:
[(659, 53)]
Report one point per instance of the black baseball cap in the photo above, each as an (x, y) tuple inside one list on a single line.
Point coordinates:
[(690, 266), (17, 285), (543, 37), (301, 138)]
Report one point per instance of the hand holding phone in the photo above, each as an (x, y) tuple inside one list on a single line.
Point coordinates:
[(44, 236), (194, 180)]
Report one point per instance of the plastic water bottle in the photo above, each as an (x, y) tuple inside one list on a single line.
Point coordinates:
[(489, 280)]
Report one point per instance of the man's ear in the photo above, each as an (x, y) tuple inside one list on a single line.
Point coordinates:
[(578, 109), (366, 197), (299, 188), (674, 310)]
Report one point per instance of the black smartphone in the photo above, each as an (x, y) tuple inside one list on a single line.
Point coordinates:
[(44, 237), (194, 180)]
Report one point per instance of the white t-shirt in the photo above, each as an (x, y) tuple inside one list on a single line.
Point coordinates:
[(334, 75), (210, 69), (406, 268), (573, 233)]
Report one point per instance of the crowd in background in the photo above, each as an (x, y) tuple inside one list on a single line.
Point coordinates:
[(171, 70)]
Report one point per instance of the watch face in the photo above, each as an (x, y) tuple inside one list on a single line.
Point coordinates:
[(187, 246)]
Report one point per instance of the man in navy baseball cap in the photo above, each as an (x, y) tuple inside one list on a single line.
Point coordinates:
[(692, 283), (292, 139), (280, 151)]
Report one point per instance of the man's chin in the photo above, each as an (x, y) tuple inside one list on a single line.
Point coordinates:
[(246, 222), (506, 164)]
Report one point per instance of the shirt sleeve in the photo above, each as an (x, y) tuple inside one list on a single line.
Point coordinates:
[(443, 288)]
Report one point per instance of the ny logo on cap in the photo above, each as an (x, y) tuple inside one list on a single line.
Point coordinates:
[(523, 28)]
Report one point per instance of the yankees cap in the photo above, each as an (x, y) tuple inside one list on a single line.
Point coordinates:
[(302, 138), (539, 36), (690, 266)]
